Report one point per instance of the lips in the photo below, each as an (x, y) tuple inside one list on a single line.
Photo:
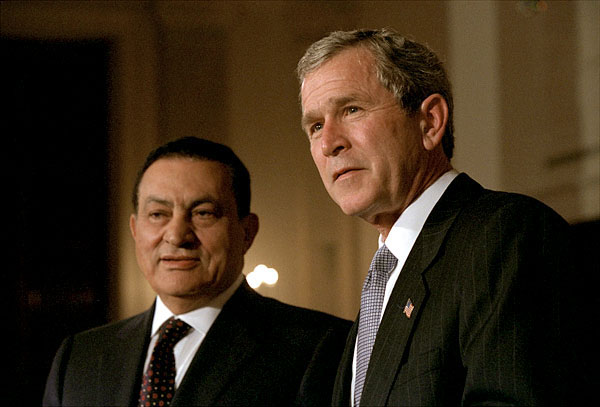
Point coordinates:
[(342, 172), (180, 262)]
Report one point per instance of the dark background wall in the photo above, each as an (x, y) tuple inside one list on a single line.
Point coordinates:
[(55, 95)]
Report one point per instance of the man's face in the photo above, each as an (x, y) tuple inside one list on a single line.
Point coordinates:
[(190, 243), (366, 148)]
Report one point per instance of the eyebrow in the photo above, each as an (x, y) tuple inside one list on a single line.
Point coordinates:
[(154, 199), (161, 201)]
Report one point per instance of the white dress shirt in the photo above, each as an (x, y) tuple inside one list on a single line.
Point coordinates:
[(200, 320), (402, 237)]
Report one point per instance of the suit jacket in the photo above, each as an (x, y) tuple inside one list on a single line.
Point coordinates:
[(259, 351), (487, 278)]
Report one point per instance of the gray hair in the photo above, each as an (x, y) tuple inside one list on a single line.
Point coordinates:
[(408, 69)]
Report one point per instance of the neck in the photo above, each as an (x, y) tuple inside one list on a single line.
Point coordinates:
[(183, 304), (178, 305), (384, 222)]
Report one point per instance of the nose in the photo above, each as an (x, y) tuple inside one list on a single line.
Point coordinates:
[(179, 232), (333, 138)]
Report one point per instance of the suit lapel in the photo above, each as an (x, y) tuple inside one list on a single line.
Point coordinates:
[(396, 327), (343, 379), (125, 363), (229, 342)]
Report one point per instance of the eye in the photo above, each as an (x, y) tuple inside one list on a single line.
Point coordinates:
[(206, 213), (203, 214), (156, 216), (352, 109), (315, 128)]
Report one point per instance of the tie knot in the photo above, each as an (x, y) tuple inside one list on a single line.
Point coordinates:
[(383, 261), (172, 331)]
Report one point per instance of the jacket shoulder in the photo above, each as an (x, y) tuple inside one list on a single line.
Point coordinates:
[(482, 205), (294, 316), (274, 320), (115, 330)]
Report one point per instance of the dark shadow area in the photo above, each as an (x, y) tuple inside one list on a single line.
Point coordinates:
[(55, 118), (580, 310)]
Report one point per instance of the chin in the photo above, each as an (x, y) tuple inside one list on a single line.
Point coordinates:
[(353, 201), (192, 292), (365, 210), (351, 208)]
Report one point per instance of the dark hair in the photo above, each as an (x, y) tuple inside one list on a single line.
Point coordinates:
[(408, 69), (206, 150)]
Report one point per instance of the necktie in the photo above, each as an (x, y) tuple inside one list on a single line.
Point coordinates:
[(371, 302), (158, 384)]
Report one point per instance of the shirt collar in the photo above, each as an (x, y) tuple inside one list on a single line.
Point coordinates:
[(408, 226), (201, 319)]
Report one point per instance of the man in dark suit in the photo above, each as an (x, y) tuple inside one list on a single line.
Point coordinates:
[(222, 343), (464, 301)]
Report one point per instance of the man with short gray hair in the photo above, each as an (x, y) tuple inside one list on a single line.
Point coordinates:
[(461, 304)]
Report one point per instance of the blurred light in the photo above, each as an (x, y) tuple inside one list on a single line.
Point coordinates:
[(262, 275)]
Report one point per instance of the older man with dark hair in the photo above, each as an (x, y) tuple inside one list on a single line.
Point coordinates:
[(208, 339)]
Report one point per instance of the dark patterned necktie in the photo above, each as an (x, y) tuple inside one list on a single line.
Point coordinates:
[(371, 302), (158, 384)]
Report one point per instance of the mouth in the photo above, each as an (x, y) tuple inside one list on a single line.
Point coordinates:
[(343, 173), (180, 262)]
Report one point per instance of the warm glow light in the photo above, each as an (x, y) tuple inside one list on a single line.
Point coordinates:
[(262, 275)]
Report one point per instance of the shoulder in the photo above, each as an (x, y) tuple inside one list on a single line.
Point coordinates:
[(281, 317), (499, 231), (298, 315), (502, 239), (106, 335), (485, 206), (87, 347)]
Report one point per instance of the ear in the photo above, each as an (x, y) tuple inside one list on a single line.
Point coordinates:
[(250, 224), (432, 120), (132, 222)]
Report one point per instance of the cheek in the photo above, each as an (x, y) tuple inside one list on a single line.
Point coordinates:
[(232, 245), (144, 260), (319, 160), (215, 244), (315, 149), (145, 240), (146, 244)]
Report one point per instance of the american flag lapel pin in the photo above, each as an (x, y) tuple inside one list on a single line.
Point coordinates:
[(408, 308)]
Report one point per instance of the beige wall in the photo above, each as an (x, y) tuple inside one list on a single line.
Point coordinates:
[(526, 88)]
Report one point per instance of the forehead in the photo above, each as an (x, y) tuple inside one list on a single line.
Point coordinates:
[(183, 176), (351, 68)]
